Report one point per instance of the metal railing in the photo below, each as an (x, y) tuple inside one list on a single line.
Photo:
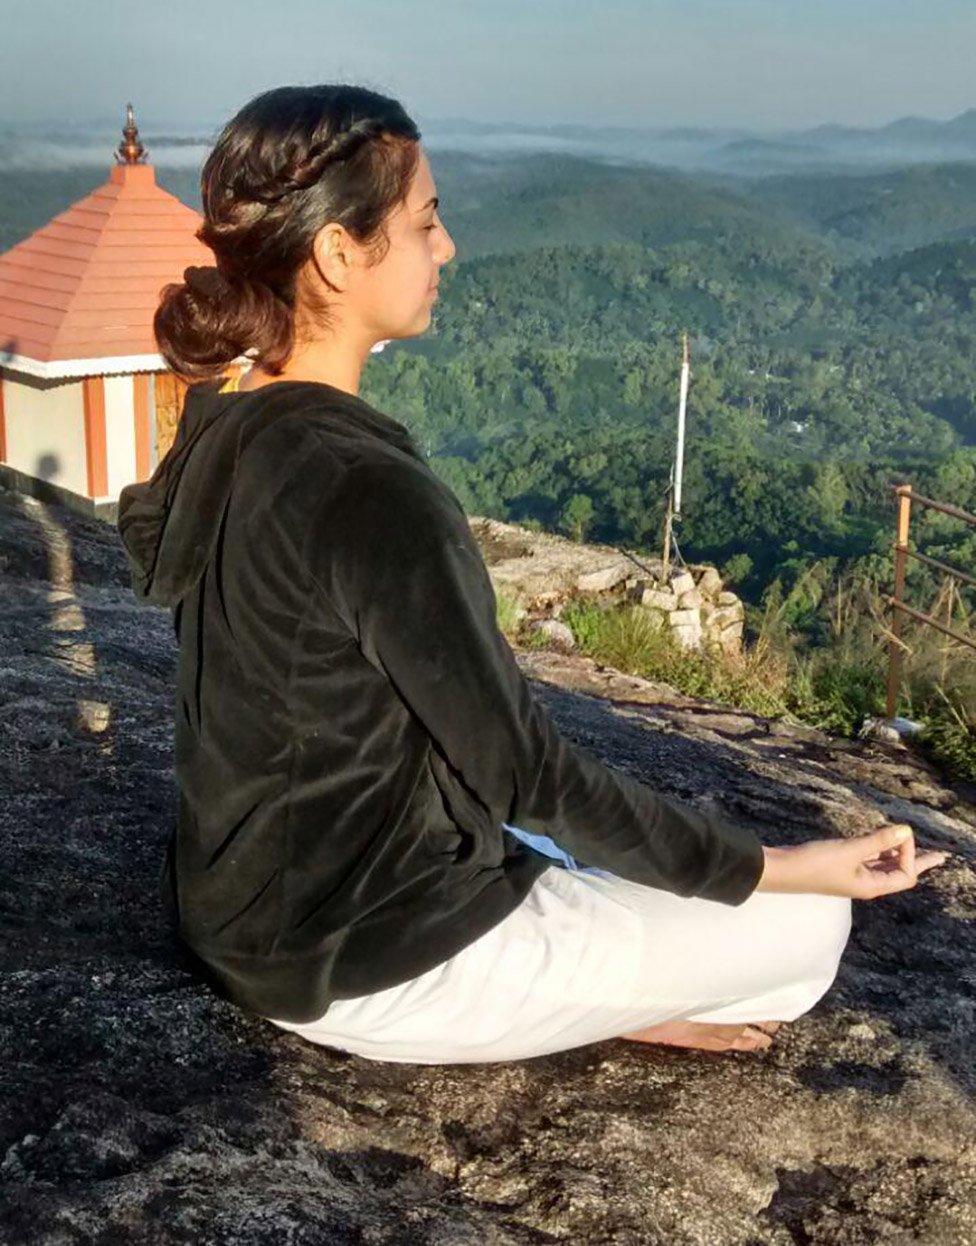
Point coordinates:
[(897, 646)]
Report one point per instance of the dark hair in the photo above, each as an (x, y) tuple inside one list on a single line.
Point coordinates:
[(290, 161)]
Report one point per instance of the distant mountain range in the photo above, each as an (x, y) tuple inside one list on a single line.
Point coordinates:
[(908, 140), (905, 130), (730, 151)]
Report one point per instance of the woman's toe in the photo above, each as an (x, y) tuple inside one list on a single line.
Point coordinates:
[(752, 1039)]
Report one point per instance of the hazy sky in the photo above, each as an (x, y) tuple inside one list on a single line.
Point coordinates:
[(765, 63)]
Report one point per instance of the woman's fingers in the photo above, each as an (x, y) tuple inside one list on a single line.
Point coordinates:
[(906, 853), (901, 856), (894, 865), (892, 876), (927, 859), (887, 839)]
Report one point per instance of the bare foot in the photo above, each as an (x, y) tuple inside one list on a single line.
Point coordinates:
[(709, 1036)]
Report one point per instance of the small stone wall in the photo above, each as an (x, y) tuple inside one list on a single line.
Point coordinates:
[(544, 571), (697, 607)]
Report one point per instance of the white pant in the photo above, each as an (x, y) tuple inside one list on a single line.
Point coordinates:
[(589, 956)]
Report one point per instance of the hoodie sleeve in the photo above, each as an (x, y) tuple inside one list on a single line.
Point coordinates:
[(396, 558)]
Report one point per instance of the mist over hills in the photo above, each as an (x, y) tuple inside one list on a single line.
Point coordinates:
[(743, 152), (738, 151)]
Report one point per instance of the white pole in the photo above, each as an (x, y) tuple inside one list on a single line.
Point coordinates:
[(679, 454)]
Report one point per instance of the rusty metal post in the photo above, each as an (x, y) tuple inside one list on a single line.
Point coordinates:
[(944, 652), (904, 494)]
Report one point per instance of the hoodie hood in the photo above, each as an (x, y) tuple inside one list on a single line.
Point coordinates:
[(169, 524)]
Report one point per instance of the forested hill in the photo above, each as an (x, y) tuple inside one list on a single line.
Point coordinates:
[(817, 380), (832, 329), (880, 213), (519, 202)]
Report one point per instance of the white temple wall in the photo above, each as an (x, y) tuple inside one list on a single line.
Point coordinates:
[(46, 431), (120, 433)]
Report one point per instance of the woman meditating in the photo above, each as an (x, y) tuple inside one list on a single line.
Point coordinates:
[(383, 843)]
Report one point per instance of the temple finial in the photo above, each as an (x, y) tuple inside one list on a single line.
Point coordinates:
[(130, 150)]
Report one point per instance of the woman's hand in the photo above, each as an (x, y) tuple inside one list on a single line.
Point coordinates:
[(872, 865)]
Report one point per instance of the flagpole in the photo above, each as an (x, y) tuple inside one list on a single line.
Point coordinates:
[(679, 454), (677, 467)]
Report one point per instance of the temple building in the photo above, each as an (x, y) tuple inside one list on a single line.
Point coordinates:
[(87, 404)]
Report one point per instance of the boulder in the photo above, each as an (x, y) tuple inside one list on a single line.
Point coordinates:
[(656, 599), (603, 578), (709, 582), (681, 582), (558, 633), (686, 627), (730, 637), (724, 615)]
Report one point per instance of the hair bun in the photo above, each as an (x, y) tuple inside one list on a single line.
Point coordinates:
[(207, 280)]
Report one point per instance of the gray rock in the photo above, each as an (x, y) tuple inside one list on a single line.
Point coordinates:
[(138, 1107), (880, 729), (604, 578), (655, 599), (730, 637), (686, 627), (724, 615), (895, 729), (709, 582), (681, 582), (559, 633)]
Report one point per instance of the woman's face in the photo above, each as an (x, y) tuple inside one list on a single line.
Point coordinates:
[(392, 298)]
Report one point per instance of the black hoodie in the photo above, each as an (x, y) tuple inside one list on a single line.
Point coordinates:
[(352, 728)]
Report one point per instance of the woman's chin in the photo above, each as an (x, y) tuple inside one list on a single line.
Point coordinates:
[(420, 322), (424, 316)]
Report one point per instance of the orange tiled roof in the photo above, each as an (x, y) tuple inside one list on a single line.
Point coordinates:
[(86, 285)]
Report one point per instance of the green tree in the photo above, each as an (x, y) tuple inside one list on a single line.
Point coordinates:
[(577, 515)]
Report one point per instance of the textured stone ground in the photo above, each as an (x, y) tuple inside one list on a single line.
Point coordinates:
[(136, 1107)]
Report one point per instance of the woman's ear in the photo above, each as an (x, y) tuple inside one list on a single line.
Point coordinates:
[(331, 256)]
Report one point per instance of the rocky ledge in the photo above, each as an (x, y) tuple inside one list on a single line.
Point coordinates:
[(139, 1108), (541, 572)]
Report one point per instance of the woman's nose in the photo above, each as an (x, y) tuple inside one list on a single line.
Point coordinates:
[(450, 251)]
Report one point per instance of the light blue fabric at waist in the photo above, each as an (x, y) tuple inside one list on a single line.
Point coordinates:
[(549, 848)]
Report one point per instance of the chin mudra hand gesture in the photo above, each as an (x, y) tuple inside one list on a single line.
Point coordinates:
[(878, 863)]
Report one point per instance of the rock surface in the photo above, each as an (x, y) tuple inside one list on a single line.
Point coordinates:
[(139, 1108)]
